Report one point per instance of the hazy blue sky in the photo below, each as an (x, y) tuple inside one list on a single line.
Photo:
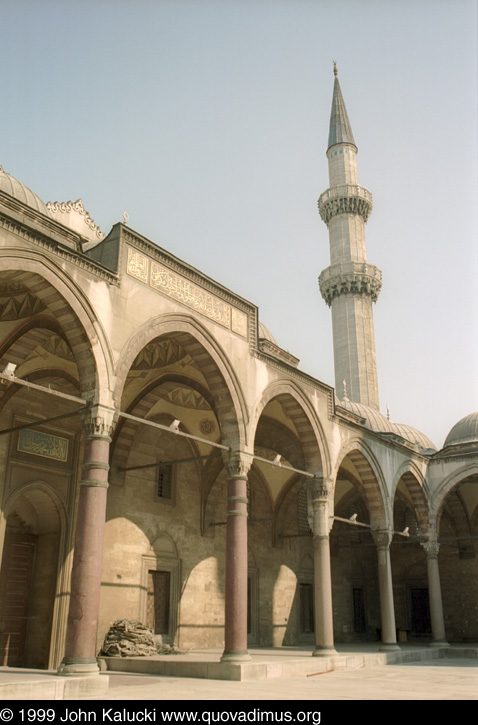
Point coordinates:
[(207, 121)]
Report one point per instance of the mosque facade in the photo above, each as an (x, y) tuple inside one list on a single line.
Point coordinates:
[(164, 460)]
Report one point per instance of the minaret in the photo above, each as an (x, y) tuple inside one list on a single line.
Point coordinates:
[(350, 284)]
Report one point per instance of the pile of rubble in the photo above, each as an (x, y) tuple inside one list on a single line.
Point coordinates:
[(128, 638)]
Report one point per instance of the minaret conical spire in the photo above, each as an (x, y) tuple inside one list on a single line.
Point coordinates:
[(340, 128), (350, 285)]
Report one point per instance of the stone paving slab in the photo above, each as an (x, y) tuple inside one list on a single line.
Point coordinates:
[(439, 679), (276, 674)]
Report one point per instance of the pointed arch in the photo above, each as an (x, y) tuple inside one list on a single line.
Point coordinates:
[(73, 313), (305, 419), (449, 482), (414, 481), (371, 480), (213, 363)]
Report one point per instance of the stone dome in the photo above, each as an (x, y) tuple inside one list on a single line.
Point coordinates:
[(374, 420), (465, 431), (265, 334), (19, 191)]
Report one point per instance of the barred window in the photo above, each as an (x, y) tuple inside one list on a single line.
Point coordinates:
[(164, 487)]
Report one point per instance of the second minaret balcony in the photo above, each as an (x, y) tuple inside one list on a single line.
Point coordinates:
[(356, 278), (345, 199)]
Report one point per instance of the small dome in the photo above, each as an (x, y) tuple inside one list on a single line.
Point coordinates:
[(19, 191), (264, 334), (465, 431), (380, 424), (414, 435)]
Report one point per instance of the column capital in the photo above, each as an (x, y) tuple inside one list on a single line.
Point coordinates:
[(431, 548), (237, 464), (97, 421), (382, 538), (319, 488)]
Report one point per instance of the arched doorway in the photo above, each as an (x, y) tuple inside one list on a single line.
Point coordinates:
[(33, 541)]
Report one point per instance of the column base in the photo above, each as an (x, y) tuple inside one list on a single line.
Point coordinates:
[(80, 667), (236, 657), (439, 643), (324, 652), (389, 647)]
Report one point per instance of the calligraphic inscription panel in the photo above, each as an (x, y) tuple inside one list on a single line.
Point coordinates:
[(138, 265), (43, 444), (239, 322), (189, 294), (179, 288)]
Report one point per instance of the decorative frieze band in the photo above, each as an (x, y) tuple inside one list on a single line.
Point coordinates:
[(174, 285), (350, 278), (345, 199)]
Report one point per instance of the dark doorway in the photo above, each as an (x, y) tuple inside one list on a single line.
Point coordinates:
[(15, 584), (307, 622), (157, 608), (360, 624), (420, 611)]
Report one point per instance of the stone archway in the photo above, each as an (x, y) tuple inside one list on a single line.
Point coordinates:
[(29, 608), (458, 562)]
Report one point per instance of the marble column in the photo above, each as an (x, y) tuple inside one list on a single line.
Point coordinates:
[(434, 594), (80, 648), (318, 492), (235, 644), (383, 539)]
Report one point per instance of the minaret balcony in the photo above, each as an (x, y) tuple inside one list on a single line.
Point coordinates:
[(345, 199), (356, 278)]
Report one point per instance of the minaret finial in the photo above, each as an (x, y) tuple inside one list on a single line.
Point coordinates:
[(345, 390), (335, 69)]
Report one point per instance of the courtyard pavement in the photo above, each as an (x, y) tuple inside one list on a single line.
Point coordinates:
[(423, 674)]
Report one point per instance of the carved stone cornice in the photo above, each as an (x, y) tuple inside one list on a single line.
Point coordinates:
[(52, 246), (191, 273), (345, 199), (357, 278), (268, 347), (237, 464)]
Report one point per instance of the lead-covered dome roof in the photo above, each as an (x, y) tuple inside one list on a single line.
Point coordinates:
[(19, 191), (374, 420), (465, 431)]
